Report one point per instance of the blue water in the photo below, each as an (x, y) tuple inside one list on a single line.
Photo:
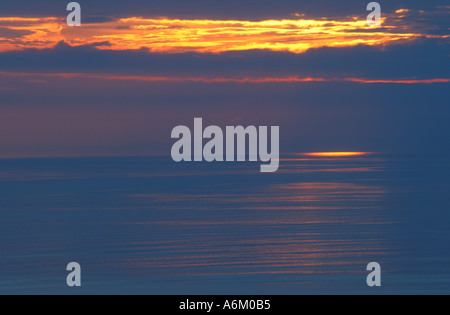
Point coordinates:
[(151, 226)]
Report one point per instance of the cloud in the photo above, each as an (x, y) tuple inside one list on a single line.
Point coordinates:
[(422, 60), (214, 9), (11, 33), (218, 80), (166, 35)]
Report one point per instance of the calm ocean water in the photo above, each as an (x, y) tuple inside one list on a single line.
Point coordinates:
[(151, 226)]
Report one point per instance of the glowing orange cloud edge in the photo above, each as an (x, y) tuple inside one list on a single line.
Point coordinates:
[(251, 80), (166, 35)]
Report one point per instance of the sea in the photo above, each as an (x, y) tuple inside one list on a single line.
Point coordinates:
[(148, 225)]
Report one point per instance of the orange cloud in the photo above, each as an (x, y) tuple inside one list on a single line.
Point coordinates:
[(402, 11), (251, 80), (204, 36)]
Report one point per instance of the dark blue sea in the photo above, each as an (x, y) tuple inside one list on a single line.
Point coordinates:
[(147, 225)]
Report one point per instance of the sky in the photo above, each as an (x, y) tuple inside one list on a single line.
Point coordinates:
[(134, 70)]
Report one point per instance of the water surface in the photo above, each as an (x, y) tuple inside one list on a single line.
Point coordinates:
[(151, 226)]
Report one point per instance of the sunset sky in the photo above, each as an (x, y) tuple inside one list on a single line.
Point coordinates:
[(118, 84)]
